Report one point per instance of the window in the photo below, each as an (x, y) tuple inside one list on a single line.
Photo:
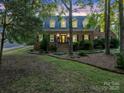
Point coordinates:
[(43, 24), (52, 23), (74, 38), (85, 22), (74, 23), (86, 37), (102, 30), (63, 23), (95, 37), (51, 38), (0, 36), (41, 37)]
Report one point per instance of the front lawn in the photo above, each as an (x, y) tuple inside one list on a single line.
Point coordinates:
[(28, 73)]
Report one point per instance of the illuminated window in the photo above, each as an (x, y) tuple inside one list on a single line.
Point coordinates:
[(43, 24), (86, 37), (74, 38), (52, 23), (74, 23), (41, 37), (51, 38), (63, 23), (102, 30), (95, 37), (85, 22)]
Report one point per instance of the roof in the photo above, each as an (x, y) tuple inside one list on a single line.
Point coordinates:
[(57, 19)]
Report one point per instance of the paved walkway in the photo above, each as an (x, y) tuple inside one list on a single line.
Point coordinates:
[(98, 60), (11, 48)]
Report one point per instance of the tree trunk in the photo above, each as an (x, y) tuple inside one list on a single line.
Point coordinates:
[(70, 30), (107, 27), (37, 43), (121, 27), (3, 37)]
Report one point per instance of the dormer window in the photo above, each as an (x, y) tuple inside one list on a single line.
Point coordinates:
[(74, 23), (52, 23), (43, 24), (63, 23), (85, 22)]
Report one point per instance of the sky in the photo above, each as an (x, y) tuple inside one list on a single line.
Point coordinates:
[(78, 12), (1, 6), (83, 11)]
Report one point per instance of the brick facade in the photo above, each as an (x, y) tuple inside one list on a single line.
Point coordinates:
[(61, 35)]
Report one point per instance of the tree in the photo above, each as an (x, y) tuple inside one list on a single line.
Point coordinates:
[(96, 18), (3, 35), (68, 5), (19, 22), (121, 17), (91, 21), (69, 8), (107, 27), (22, 20)]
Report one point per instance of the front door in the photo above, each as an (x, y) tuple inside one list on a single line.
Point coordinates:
[(63, 38)]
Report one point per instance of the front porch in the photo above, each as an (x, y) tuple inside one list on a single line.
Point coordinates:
[(60, 38)]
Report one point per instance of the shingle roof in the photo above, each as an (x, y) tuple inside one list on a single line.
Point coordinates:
[(80, 20)]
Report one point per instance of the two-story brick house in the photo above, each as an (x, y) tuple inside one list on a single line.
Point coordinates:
[(58, 30)]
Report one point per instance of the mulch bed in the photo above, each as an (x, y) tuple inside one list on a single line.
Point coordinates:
[(99, 60)]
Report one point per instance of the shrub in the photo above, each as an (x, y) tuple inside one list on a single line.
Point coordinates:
[(75, 46), (81, 43), (120, 61), (86, 45), (53, 48), (99, 43), (114, 43), (44, 43), (81, 53), (31, 41)]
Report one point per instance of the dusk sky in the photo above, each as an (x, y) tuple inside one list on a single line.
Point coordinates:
[(79, 12)]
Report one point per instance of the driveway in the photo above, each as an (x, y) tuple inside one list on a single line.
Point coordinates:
[(9, 46)]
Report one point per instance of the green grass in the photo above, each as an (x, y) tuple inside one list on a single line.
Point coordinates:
[(92, 51), (91, 74), (45, 74)]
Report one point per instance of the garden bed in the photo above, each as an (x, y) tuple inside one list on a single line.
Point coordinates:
[(99, 60)]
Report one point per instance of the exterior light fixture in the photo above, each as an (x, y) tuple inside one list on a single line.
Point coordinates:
[(57, 35), (68, 35)]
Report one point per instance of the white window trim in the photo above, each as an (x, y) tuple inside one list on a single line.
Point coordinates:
[(51, 37), (52, 23), (74, 38), (86, 37), (74, 25), (63, 23)]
